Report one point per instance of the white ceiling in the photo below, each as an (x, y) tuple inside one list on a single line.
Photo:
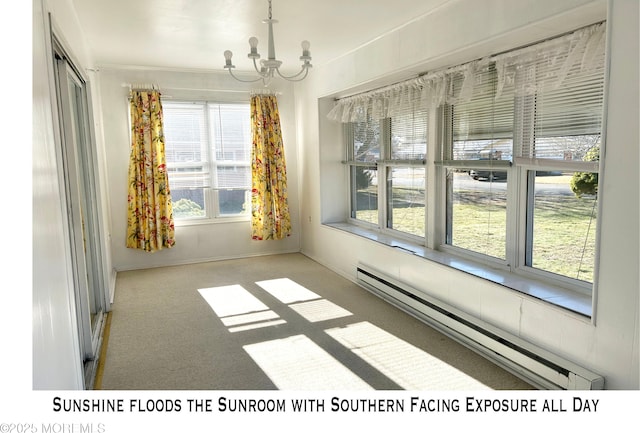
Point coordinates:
[(193, 34)]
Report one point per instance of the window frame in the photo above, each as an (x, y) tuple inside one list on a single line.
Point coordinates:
[(518, 233), (526, 174), (450, 161), (210, 164), (383, 165)]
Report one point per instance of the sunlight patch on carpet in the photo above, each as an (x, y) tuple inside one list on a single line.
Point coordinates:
[(238, 309), (245, 322), (297, 363), (405, 364), (287, 291), (320, 310)]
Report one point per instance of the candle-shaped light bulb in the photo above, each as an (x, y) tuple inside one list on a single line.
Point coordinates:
[(305, 48), (227, 57), (253, 43)]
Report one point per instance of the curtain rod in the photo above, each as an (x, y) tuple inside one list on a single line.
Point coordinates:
[(158, 87), (550, 40), (141, 86), (461, 67)]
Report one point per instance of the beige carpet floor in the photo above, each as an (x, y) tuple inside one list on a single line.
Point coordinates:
[(276, 322)]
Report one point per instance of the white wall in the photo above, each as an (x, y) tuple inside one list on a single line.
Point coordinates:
[(461, 31), (194, 243)]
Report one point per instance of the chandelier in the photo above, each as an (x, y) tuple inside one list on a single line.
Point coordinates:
[(270, 66)]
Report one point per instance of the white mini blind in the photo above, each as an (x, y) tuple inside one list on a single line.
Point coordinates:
[(233, 177), (541, 101), (365, 142), (231, 131), (559, 85), (484, 116), (186, 144), (409, 134), (481, 124), (567, 119), (208, 145)]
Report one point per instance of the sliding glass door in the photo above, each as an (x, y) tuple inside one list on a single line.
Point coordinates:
[(79, 180)]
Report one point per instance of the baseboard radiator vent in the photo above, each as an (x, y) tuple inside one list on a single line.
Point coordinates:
[(533, 364)]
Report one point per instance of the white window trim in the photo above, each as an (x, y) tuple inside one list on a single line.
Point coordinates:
[(555, 289), (212, 215), (382, 166)]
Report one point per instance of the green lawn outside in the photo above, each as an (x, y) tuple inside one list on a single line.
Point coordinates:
[(564, 230)]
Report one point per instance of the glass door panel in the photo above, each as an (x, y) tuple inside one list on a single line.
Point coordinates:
[(81, 210)]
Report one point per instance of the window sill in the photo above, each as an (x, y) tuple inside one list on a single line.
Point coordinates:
[(566, 299), (207, 221)]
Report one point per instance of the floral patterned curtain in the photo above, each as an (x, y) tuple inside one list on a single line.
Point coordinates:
[(270, 217), (149, 214)]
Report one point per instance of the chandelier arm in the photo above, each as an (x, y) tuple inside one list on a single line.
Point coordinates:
[(293, 77), (245, 81), (261, 73)]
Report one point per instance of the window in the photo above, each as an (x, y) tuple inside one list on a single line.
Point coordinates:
[(386, 161), (363, 157), (208, 150), (517, 150), (516, 141), (558, 160), (557, 132), (477, 155)]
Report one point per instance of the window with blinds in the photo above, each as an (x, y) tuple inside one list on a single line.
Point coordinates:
[(186, 144), (559, 87), (409, 135), (481, 127), (363, 155), (364, 139), (567, 120), (405, 173), (561, 100), (478, 153), (517, 157), (386, 158), (208, 150), (534, 113)]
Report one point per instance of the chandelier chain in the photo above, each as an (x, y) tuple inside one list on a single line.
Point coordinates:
[(269, 9)]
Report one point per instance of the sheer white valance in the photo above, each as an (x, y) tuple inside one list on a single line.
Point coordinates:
[(547, 65), (534, 69), (425, 92)]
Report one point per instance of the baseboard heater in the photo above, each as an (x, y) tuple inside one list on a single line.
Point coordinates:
[(533, 364)]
